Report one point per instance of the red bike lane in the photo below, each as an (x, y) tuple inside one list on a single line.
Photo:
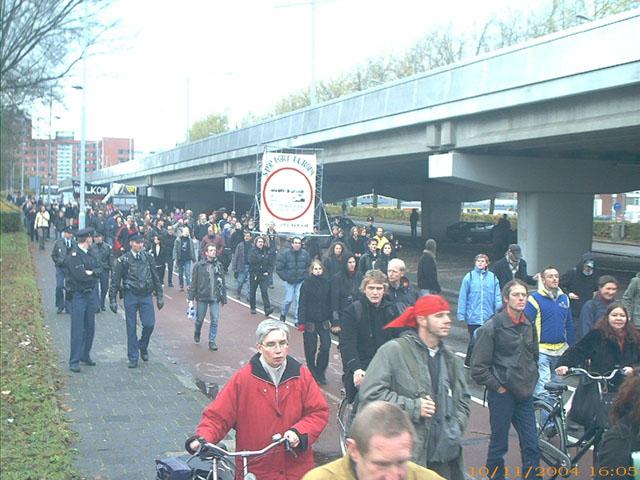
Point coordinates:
[(236, 343)]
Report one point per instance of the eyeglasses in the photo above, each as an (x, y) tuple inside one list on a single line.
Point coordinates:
[(274, 345)]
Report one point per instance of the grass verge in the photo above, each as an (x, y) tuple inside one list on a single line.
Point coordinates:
[(35, 435)]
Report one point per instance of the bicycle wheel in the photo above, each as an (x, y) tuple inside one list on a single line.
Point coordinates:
[(551, 435), (345, 410)]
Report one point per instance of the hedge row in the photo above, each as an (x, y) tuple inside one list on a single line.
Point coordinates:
[(9, 217)]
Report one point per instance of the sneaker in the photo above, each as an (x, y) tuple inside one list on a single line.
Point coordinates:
[(196, 337), (133, 364), (213, 347), (283, 318), (144, 355)]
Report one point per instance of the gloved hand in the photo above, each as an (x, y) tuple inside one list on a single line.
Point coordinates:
[(160, 302), (113, 306)]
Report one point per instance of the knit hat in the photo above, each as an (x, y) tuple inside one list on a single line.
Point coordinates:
[(425, 306)]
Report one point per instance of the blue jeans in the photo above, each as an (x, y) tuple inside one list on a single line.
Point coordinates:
[(83, 316), (184, 269), (504, 410), (243, 277), (291, 293), (142, 305), (547, 372), (214, 317)]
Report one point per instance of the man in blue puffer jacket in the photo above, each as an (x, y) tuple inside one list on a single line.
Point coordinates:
[(479, 299)]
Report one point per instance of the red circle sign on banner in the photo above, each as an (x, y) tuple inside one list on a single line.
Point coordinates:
[(283, 201)]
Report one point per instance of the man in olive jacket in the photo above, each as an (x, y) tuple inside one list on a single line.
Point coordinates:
[(505, 360), (422, 376)]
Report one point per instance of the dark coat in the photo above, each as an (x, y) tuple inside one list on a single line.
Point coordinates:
[(614, 451), (291, 266), (345, 289), (428, 274), (315, 300), (260, 261), (574, 281), (603, 353), (502, 270), (207, 282)]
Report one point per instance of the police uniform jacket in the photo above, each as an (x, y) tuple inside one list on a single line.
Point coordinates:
[(136, 276), (76, 264), (104, 254), (60, 251)]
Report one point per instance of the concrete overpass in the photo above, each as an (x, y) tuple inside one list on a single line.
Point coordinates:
[(556, 119)]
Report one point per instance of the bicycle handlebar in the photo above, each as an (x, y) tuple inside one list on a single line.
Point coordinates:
[(212, 449), (582, 371)]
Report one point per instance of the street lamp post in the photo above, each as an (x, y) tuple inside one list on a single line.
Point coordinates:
[(49, 153)]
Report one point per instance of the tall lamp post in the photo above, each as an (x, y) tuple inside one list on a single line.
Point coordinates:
[(83, 129), (49, 153)]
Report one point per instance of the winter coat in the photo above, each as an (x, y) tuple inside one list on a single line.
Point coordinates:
[(341, 469), (60, 251), (428, 274), (506, 355), (574, 281), (600, 354), (216, 240), (251, 404), (137, 276), (402, 296), (615, 449), (367, 262), (159, 256), (104, 254), (292, 266), (552, 319), (399, 373), (241, 256), (382, 262), (177, 250), (333, 264), (479, 297), (357, 245), (314, 305), (207, 282), (260, 261), (345, 289), (591, 312), (631, 299), (502, 270)]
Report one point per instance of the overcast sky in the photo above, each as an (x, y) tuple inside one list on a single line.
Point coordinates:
[(235, 57)]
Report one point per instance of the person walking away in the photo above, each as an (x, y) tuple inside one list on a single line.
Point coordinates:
[(240, 263), (260, 268), (252, 403), (428, 270), (291, 267), (184, 254), (631, 299), (612, 343), (209, 290), (81, 272), (41, 224), (135, 279), (103, 254), (548, 309), (413, 220), (505, 361), (314, 313), (379, 447), (594, 309), (419, 373), (61, 248), (479, 299)]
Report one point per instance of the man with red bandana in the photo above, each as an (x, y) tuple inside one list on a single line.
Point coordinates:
[(424, 378)]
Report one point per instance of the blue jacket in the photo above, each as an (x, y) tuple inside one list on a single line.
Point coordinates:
[(552, 319), (591, 312), (479, 297)]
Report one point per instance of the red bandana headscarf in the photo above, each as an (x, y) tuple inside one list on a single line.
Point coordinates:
[(425, 306)]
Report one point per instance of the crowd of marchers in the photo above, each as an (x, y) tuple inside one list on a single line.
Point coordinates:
[(351, 286)]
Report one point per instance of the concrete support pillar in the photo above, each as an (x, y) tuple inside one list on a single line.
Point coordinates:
[(438, 213), (554, 228)]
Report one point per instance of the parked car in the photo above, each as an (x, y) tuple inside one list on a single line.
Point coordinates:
[(470, 232)]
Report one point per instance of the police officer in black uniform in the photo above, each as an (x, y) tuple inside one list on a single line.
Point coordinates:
[(104, 255), (61, 248), (136, 278), (81, 273)]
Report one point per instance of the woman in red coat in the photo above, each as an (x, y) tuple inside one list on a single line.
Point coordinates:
[(272, 394)]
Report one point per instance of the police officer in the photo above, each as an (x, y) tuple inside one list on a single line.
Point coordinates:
[(104, 255), (61, 248), (82, 271), (135, 277)]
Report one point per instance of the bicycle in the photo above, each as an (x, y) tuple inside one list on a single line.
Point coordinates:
[(212, 462), (345, 415), (551, 426)]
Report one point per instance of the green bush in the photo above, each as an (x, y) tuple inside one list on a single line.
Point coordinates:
[(602, 229), (9, 217)]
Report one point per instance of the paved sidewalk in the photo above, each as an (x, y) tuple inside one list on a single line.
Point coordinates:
[(125, 417)]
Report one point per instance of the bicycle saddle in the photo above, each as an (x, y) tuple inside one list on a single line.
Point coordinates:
[(555, 387)]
